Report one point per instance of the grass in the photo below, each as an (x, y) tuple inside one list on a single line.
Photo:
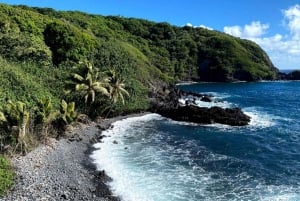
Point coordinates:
[(6, 175)]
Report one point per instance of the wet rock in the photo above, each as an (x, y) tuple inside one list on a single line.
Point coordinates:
[(168, 105), (100, 174), (103, 126), (202, 115), (206, 99)]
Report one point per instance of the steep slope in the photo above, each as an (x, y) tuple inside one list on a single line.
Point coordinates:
[(29, 83), (144, 52)]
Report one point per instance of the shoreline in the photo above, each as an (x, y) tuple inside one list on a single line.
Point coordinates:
[(63, 169)]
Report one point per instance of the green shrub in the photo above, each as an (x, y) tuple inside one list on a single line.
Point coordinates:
[(6, 175)]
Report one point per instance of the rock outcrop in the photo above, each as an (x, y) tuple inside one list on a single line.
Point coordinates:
[(204, 115), (166, 103)]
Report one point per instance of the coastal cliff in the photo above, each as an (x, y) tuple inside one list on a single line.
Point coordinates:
[(44, 45)]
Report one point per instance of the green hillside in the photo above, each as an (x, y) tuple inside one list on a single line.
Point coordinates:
[(39, 47), (56, 65)]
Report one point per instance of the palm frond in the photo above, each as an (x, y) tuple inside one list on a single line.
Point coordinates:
[(78, 77), (122, 98), (125, 91), (81, 87), (99, 88), (2, 117), (64, 105)]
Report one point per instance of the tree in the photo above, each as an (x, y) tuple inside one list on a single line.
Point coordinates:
[(67, 42), (88, 82), (17, 116), (68, 113), (46, 115), (116, 89)]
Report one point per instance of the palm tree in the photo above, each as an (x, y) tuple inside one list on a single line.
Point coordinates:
[(116, 89), (46, 115), (18, 115), (88, 82), (68, 113)]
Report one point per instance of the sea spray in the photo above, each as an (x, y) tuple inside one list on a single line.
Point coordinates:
[(154, 158)]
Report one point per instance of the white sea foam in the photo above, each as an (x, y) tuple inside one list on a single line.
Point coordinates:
[(217, 101), (286, 197), (219, 95), (214, 125), (280, 193), (261, 119), (152, 171), (222, 104), (111, 157), (186, 83), (144, 172)]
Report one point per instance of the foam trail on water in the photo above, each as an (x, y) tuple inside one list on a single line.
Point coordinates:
[(147, 164), (109, 157), (150, 174), (218, 95), (286, 197), (261, 119)]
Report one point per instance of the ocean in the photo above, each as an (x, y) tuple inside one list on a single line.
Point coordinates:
[(152, 158)]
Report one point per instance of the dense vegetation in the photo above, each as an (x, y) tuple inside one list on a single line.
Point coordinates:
[(104, 65), (6, 175), (55, 66)]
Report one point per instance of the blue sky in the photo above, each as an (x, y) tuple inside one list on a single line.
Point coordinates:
[(273, 24)]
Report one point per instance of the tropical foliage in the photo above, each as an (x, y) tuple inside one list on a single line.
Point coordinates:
[(6, 175), (116, 90), (118, 61), (16, 119), (116, 87), (45, 115), (88, 83), (67, 112)]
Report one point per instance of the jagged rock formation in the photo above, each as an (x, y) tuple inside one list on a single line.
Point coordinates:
[(166, 103)]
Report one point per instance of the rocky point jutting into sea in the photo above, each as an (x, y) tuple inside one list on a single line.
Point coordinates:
[(153, 158), (166, 102)]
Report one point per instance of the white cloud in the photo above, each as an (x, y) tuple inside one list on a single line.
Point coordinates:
[(200, 26), (255, 29), (292, 15), (234, 30), (204, 27), (189, 24), (284, 51)]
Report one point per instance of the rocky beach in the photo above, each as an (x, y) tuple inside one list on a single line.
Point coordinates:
[(62, 169)]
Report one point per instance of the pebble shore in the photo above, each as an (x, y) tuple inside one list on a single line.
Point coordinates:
[(62, 169)]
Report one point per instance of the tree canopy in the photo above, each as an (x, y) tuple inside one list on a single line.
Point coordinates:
[(40, 46)]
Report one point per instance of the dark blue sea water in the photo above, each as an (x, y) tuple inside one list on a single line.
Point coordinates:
[(159, 159)]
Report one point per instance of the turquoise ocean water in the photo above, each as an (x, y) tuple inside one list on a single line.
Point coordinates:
[(157, 159)]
